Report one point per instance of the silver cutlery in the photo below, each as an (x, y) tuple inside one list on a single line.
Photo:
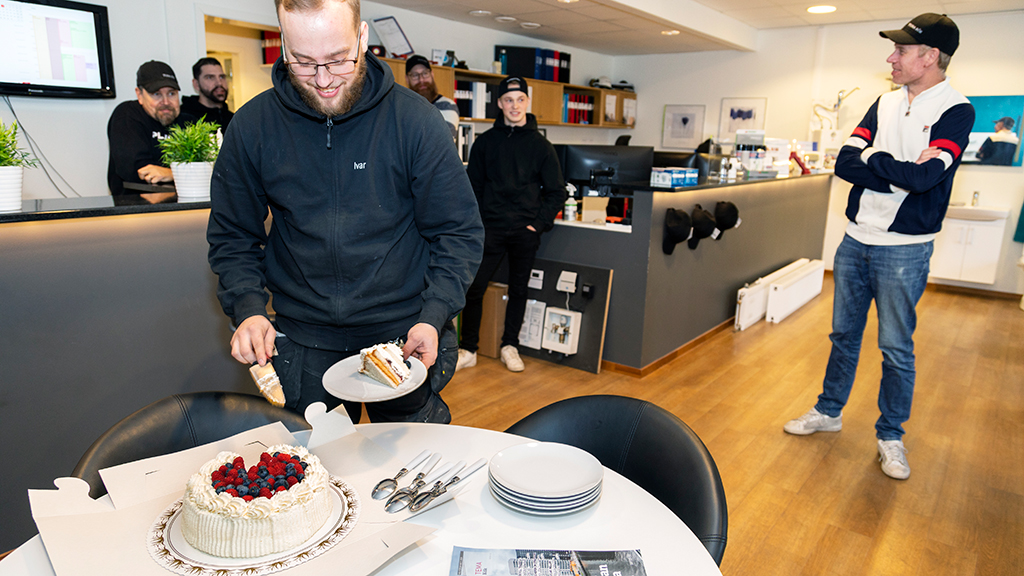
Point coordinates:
[(387, 486), (423, 499), (399, 500)]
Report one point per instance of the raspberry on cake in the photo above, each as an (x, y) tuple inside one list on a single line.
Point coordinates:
[(384, 363), (237, 512)]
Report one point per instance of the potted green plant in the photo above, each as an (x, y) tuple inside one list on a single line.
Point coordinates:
[(12, 168), (190, 151)]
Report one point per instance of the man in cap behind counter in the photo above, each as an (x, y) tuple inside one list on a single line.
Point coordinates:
[(421, 79), (137, 126), (901, 160), (999, 148)]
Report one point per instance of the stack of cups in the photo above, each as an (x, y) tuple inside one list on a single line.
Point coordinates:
[(11, 178)]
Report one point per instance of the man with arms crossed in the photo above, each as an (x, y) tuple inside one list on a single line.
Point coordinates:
[(421, 79), (901, 160), (211, 86), (375, 232)]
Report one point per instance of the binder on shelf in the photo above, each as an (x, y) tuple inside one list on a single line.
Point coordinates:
[(519, 60), (464, 98), (564, 65), (271, 44), (491, 109), (479, 100)]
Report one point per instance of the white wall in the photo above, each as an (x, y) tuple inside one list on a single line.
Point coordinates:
[(792, 67)]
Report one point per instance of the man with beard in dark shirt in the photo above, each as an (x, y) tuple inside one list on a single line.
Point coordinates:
[(211, 86)]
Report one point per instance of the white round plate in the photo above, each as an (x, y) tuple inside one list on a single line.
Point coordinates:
[(533, 504), (168, 547), (344, 381), (535, 512), (546, 470), (527, 500)]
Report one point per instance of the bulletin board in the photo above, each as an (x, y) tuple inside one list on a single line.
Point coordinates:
[(595, 312)]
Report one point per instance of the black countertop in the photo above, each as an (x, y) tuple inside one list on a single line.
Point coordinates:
[(92, 206)]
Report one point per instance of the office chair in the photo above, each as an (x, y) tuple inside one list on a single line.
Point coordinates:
[(177, 423), (650, 446)]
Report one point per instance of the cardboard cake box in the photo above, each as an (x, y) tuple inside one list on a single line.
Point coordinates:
[(109, 535)]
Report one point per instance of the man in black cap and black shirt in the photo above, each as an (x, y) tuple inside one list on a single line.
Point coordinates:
[(137, 126), (519, 186), (999, 148), (211, 86), (420, 78)]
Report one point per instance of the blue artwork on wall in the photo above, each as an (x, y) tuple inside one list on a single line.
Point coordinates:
[(995, 137)]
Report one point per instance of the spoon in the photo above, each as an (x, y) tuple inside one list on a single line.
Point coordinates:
[(404, 497), (418, 481), (385, 487), (424, 499)]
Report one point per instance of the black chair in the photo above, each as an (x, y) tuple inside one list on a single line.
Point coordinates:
[(177, 423), (648, 445)]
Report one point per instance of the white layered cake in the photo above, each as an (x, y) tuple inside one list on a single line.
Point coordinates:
[(235, 512), (384, 363)]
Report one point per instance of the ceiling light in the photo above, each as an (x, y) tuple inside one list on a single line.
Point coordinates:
[(821, 9), (568, 1), (670, 32), (504, 19), (479, 12), (529, 25)]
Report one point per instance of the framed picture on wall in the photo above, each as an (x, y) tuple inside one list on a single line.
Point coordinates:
[(683, 126), (996, 134), (740, 114)]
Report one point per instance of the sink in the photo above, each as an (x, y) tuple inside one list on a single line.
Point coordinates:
[(977, 213)]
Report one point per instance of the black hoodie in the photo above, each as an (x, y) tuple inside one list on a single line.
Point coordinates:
[(375, 226), (516, 177)]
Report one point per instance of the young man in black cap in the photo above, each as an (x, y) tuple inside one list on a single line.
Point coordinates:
[(1000, 148), (137, 126), (211, 86), (420, 77), (901, 160), (518, 184)]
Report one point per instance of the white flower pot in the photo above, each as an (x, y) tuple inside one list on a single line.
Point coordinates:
[(11, 180), (192, 180)]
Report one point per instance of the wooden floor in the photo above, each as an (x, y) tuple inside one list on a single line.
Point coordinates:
[(820, 504)]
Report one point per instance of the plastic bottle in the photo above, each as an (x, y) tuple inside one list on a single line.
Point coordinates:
[(503, 58), (569, 211)]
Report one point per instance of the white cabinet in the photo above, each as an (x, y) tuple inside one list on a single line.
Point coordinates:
[(968, 250)]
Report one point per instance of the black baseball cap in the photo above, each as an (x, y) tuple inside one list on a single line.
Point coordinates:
[(154, 75), (517, 82), (930, 29), (416, 60), (1007, 122)]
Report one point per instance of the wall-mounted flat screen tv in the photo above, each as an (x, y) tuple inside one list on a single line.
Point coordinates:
[(56, 49)]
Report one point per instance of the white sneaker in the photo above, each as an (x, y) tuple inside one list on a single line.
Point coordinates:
[(814, 421), (467, 359), (893, 455), (510, 358)]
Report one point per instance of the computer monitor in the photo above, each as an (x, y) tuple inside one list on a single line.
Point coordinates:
[(595, 170)]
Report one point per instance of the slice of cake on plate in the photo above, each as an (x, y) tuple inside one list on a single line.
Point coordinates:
[(384, 363)]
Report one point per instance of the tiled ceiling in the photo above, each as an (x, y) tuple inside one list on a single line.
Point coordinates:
[(635, 26)]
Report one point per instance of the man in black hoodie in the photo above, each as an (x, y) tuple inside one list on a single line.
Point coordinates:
[(518, 184), (375, 233)]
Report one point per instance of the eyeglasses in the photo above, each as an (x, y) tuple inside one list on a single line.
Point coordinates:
[(420, 76), (337, 67)]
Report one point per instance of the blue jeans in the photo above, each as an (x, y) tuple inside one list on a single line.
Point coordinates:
[(895, 278)]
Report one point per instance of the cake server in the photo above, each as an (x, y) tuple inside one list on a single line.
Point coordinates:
[(385, 487), (405, 496)]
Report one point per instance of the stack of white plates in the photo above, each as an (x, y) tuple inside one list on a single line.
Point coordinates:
[(545, 478)]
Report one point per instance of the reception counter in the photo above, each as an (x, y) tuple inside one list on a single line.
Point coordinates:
[(105, 309), (661, 302)]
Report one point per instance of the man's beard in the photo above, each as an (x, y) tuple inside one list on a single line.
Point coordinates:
[(212, 95), (165, 116), (350, 93), (428, 91)]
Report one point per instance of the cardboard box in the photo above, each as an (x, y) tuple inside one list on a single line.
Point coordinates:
[(492, 320)]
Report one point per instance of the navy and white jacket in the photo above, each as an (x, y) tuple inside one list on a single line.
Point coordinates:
[(895, 201)]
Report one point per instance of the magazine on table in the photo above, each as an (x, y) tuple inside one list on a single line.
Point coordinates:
[(496, 562)]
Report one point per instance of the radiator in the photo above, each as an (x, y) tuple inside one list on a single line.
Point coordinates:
[(793, 290), (752, 299)]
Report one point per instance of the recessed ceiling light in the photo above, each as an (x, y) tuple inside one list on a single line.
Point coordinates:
[(479, 12), (529, 25), (568, 1), (670, 32), (504, 19), (821, 9)]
